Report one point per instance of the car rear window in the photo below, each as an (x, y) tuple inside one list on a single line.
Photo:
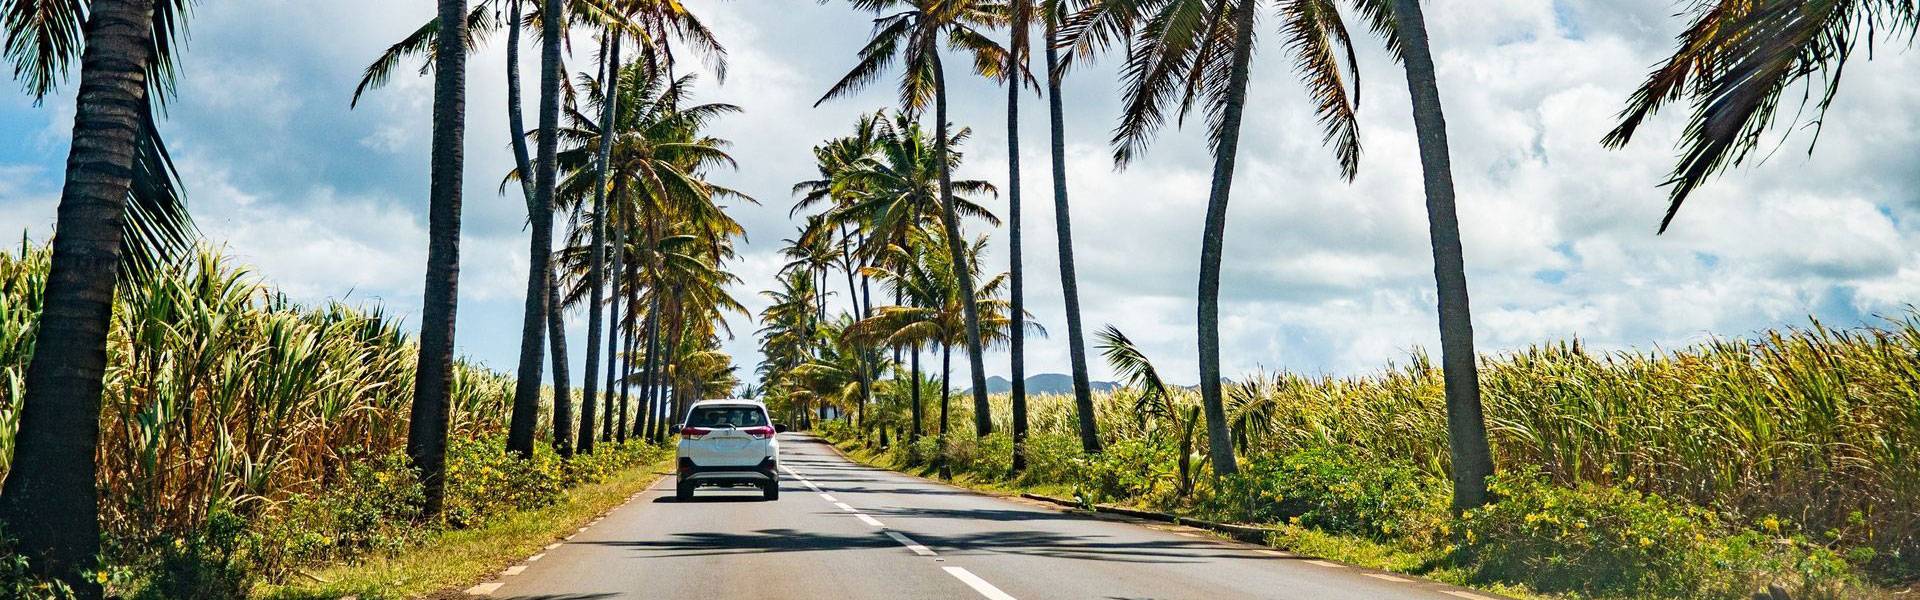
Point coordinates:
[(723, 416)]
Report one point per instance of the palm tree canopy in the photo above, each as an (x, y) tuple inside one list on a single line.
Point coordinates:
[(1180, 51), (1736, 60), (910, 33)]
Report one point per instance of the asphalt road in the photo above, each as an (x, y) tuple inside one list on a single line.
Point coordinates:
[(846, 531)]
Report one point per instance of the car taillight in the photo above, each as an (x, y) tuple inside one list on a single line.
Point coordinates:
[(694, 433), (759, 433)]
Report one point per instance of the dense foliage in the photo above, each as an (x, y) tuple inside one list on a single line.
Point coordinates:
[(245, 437)]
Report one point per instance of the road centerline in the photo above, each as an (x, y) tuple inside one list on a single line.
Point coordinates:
[(909, 543), (978, 584)]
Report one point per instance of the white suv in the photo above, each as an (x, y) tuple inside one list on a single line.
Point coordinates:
[(728, 443)]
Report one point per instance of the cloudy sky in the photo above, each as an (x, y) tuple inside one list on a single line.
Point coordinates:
[(1321, 276)]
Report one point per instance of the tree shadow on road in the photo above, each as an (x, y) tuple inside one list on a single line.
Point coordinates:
[(1025, 543)]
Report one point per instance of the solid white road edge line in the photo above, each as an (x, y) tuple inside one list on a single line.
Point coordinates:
[(909, 543), (978, 584)]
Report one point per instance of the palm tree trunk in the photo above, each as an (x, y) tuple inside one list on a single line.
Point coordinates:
[(946, 384), (1063, 232), (956, 246), (1018, 339), (526, 394), (860, 355), (618, 272), (562, 395), (433, 380), (1472, 460), (914, 435), (516, 124), (626, 365), (51, 499), (651, 394), (1219, 440), (598, 254), (649, 390)]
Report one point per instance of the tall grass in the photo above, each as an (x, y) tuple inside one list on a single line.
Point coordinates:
[(223, 395)]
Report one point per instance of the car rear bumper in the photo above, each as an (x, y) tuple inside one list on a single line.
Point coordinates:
[(760, 473)]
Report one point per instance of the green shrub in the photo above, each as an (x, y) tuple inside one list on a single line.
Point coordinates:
[(483, 480), (374, 508), (990, 457), (209, 563), (1053, 459), (1332, 492), (1616, 542), (1132, 468)]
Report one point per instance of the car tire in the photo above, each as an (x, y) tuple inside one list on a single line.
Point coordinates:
[(682, 492), (771, 490)]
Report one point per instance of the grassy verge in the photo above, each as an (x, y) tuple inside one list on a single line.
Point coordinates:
[(458, 558)]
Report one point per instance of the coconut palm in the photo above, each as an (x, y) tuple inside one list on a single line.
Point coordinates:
[(654, 24), (1052, 12), (1184, 54), (932, 314), (1019, 19), (912, 36), (1734, 62), (1466, 426), (120, 211), (433, 381), (533, 328)]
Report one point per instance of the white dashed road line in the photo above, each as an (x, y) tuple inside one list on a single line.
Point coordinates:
[(485, 589), (1386, 577), (1467, 595), (978, 584), (515, 570), (829, 498), (870, 520), (843, 506), (909, 543), (1322, 563)]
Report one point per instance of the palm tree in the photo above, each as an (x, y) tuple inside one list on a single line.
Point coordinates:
[(933, 313), (526, 393), (1734, 62), (1014, 74), (912, 37), (1466, 427), (119, 209), (1198, 51), (433, 383), (597, 241), (1052, 13)]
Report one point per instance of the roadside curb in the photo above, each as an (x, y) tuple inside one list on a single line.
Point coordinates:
[(1246, 533)]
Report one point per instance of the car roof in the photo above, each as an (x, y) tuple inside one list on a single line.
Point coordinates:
[(730, 401)]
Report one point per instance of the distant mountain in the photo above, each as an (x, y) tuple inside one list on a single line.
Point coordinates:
[(1044, 383)]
